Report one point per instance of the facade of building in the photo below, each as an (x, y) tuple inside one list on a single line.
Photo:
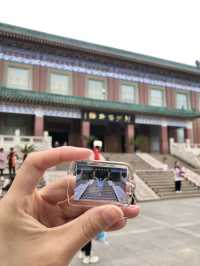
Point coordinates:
[(79, 91)]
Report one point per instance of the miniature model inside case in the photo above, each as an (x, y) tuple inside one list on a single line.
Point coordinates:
[(101, 181)]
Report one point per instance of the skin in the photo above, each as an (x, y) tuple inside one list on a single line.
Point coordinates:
[(39, 227)]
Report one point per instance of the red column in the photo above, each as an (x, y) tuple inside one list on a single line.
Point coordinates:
[(188, 133), (113, 89), (85, 133), (39, 126), (143, 93), (36, 78), (43, 78), (129, 138), (175, 136), (78, 84), (196, 130), (164, 142), (1, 72)]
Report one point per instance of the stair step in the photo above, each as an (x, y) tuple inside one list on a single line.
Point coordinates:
[(183, 193), (179, 195)]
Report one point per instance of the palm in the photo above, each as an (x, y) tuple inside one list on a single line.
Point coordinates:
[(50, 204), (48, 214), (32, 222)]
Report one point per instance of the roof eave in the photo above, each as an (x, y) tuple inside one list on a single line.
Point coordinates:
[(49, 39), (44, 98)]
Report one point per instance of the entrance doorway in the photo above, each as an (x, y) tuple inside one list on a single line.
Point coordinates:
[(112, 136), (155, 138), (59, 138), (59, 129), (142, 138), (10, 122), (147, 138), (97, 132)]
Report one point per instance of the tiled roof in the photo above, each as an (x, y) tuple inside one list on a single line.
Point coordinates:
[(44, 98), (94, 48)]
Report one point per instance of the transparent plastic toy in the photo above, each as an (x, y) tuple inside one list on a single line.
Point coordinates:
[(102, 182)]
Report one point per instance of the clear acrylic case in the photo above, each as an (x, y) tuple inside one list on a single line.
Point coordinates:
[(102, 182)]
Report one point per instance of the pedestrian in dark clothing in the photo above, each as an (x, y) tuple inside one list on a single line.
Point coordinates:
[(12, 159)]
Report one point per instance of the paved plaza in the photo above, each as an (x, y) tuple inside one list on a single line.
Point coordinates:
[(166, 233)]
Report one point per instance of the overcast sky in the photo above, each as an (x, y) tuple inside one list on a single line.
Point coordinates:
[(168, 29)]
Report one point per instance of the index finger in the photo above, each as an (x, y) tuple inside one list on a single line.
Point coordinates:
[(37, 163)]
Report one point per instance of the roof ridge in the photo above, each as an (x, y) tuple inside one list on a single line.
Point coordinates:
[(100, 49)]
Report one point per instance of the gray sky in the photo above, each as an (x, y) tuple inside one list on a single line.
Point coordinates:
[(167, 29)]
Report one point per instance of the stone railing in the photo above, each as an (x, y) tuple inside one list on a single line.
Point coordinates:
[(18, 142), (142, 191), (186, 151)]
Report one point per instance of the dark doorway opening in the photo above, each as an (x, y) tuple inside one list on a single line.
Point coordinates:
[(97, 132), (59, 130), (59, 137)]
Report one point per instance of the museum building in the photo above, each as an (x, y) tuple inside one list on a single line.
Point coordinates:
[(79, 91)]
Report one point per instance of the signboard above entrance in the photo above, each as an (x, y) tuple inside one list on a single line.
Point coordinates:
[(110, 117)]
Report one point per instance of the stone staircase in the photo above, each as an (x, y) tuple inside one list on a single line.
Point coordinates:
[(133, 159), (159, 181), (93, 193), (162, 183), (170, 160)]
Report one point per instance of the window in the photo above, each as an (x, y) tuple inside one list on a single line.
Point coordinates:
[(182, 101), (96, 89), (128, 93), (18, 78), (60, 84), (156, 97)]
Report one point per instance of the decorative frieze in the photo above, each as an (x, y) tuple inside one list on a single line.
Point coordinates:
[(96, 69), (40, 111), (164, 122)]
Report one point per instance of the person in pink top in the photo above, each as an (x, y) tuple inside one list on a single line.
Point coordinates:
[(2, 161)]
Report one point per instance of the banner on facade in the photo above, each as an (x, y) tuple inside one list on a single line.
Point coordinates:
[(110, 117)]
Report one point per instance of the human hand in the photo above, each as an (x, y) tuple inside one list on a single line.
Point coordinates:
[(38, 227)]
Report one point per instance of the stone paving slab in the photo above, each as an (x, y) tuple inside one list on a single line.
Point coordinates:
[(166, 233)]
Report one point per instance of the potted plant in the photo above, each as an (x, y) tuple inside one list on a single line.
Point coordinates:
[(26, 150), (89, 140)]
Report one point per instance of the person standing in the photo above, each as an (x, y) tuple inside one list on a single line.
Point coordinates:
[(12, 160), (2, 161), (85, 253), (179, 175), (131, 190)]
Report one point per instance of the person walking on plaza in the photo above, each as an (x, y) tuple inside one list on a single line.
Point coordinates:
[(2, 161), (12, 160), (179, 175), (85, 253)]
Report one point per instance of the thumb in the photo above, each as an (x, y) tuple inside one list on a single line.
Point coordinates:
[(77, 233)]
